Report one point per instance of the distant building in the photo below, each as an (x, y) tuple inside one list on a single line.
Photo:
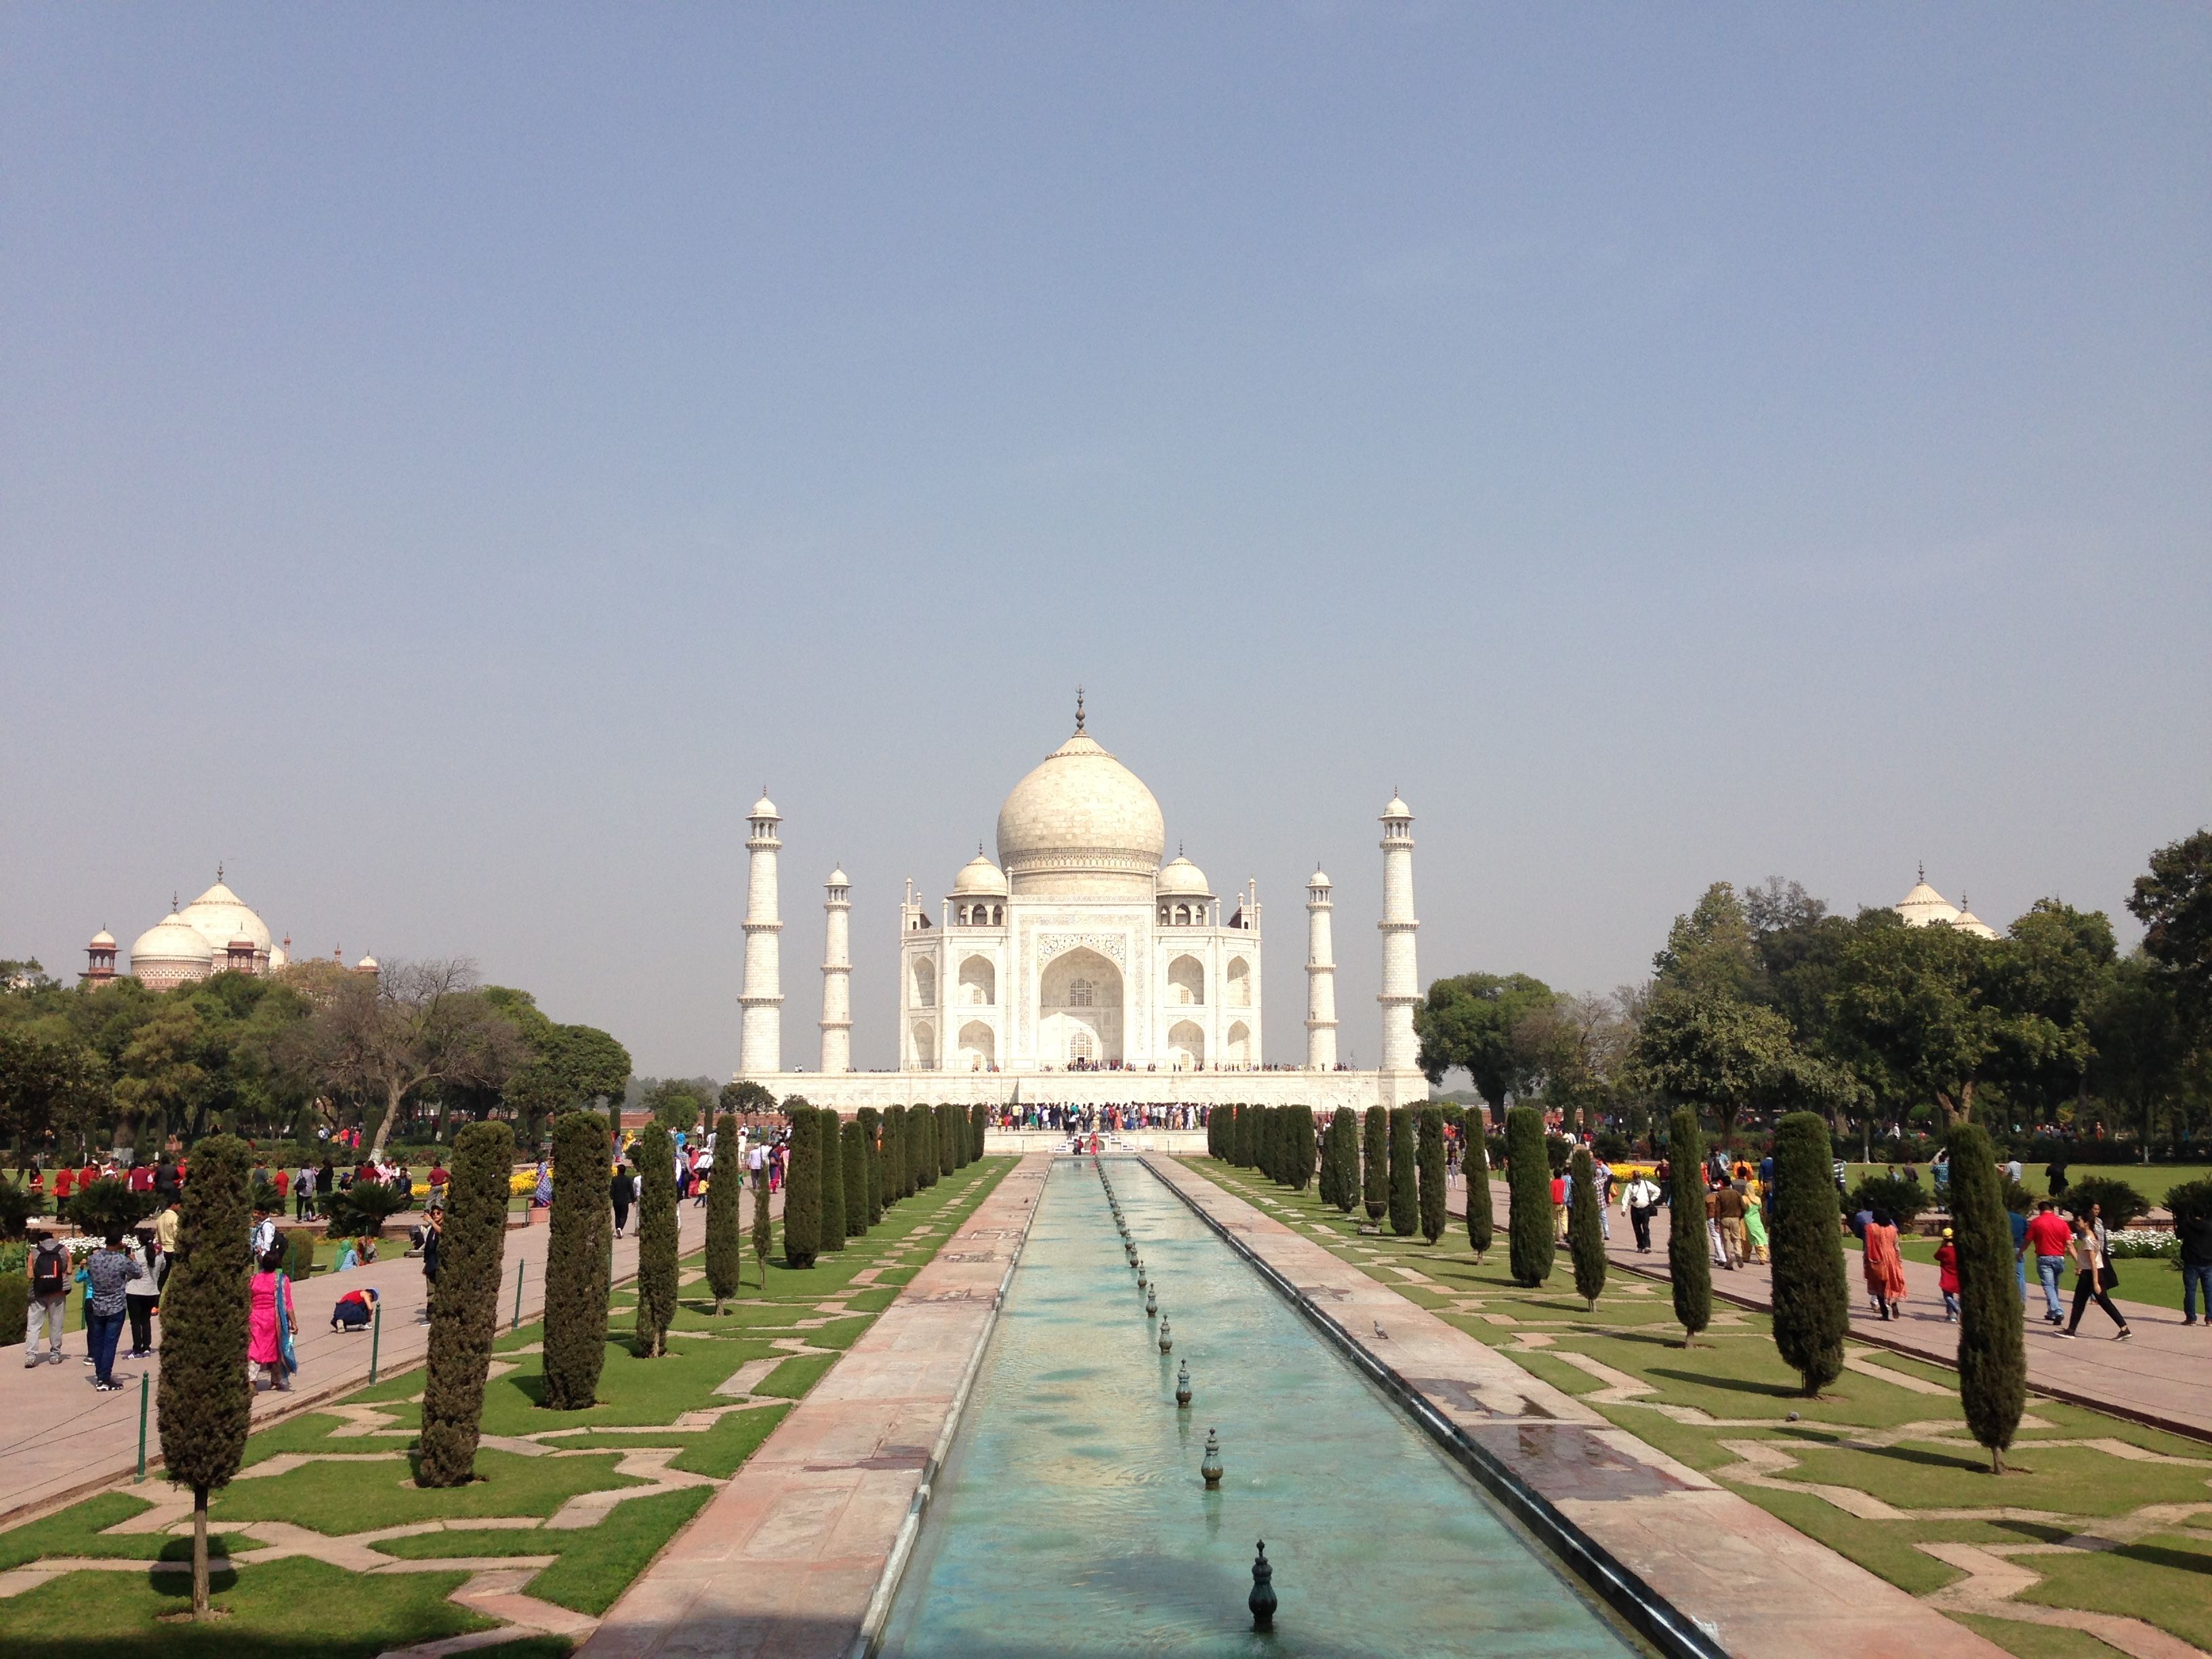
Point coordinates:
[(217, 933), (1923, 907)]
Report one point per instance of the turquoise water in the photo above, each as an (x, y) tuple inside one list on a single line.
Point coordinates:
[(1070, 1518)]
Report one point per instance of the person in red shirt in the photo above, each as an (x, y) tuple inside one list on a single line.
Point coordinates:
[(65, 1183), (283, 1185), (2048, 1240), (1559, 1206), (1947, 1277)]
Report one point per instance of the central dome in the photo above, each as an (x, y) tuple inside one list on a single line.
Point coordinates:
[(1082, 822)]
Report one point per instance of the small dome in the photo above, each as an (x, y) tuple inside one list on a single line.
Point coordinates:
[(220, 916), (1925, 905), (1180, 876), (366, 965), (171, 939), (1318, 879), (103, 937), (1397, 808), (764, 808), (1968, 922), (838, 877), (980, 875)]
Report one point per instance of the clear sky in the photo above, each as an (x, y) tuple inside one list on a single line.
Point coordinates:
[(451, 457)]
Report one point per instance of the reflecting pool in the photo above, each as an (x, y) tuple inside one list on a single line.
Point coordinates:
[(1070, 1518)]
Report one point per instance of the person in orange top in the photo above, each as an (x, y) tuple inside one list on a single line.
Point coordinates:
[(1885, 1266), (1947, 1277), (64, 1182)]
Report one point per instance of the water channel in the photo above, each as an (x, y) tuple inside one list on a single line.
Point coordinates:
[(1070, 1518)]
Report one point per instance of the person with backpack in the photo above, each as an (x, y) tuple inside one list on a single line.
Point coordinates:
[(49, 1275), (140, 1296)]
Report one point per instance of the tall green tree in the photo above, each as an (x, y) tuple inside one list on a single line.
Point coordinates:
[(872, 1127), (1302, 1147), (2140, 1041), (1585, 1228), (726, 1237), (1469, 1022), (1434, 1217), (802, 1186), (1405, 1183), (763, 1225), (950, 1132), (1812, 1299), (465, 1313), (1474, 1165), (851, 1142), (656, 1239), (2173, 902), (1913, 1005), (833, 1184), (1992, 1350), (206, 1402), (1340, 1161), (1530, 1236), (579, 1235), (1374, 1163), (1704, 1043), (979, 1124), (921, 1144), (1689, 1249)]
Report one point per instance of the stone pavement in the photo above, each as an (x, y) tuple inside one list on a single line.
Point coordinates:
[(2158, 1377), (1758, 1587), (786, 1559), (60, 1438)]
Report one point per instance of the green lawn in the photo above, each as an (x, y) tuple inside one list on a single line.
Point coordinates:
[(360, 1483), (1908, 1447)]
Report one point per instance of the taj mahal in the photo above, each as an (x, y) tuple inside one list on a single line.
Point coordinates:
[(1078, 968)]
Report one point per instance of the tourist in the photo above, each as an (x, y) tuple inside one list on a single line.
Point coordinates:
[(139, 1297), (1559, 1207), (303, 1194), (48, 1272), (1947, 1277), (355, 1310), (1754, 1228), (2054, 1175), (269, 1324), (623, 1191), (1728, 1208), (2094, 1279), (107, 1270), (168, 1226), (1602, 1173), (2012, 1170), (541, 1192), (438, 1180), (2051, 1240), (1885, 1266), (1640, 1198), (433, 1227), (1713, 1240), (264, 1237), (2195, 1232)]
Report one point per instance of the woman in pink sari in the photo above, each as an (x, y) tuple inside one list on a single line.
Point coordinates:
[(1885, 1266), (264, 1344)]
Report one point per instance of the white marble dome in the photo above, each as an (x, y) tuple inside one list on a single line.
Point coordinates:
[(1081, 822), (219, 916), (1923, 906), (172, 943), (1183, 877), (979, 875)]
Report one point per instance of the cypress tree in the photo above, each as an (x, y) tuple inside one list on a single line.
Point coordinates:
[(1474, 1165), (833, 1182), (580, 1234), (1812, 1298), (726, 1238), (207, 1403), (1301, 1144), (871, 1123), (802, 1188), (1434, 1217), (852, 1142), (1585, 1228), (1327, 1186), (1689, 1251), (1214, 1134), (1992, 1350), (1344, 1137), (1530, 1237), (1375, 1160), (922, 1144), (910, 1177), (1263, 1150), (465, 1314), (1405, 1186), (656, 1238), (1241, 1128), (949, 1127), (979, 1124), (763, 1225), (888, 1154)]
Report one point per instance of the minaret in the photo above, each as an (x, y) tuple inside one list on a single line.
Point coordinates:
[(837, 975), (1321, 978), (1402, 976), (762, 1054)]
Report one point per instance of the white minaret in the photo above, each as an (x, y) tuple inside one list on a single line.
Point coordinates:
[(763, 997), (1321, 978), (837, 975), (1402, 976)]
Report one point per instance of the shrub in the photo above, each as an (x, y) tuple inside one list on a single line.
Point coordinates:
[(1434, 1219), (1812, 1299), (1404, 1179), (579, 1235), (1585, 1231), (1474, 1167), (107, 1207), (14, 1307), (2188, 1202), (17, 1205), (1992, 1350), (1901, 1200), (726, 1242), (1689, 1250), (206, 1402), (1374, 1163), (852, 1154), (656, 1238), (359, 1211), (2121, 1204), (465, 1313), (299, 1246), (1530, 1237), (833, 1183)]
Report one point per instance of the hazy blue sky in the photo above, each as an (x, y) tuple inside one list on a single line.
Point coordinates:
[(451, 457)]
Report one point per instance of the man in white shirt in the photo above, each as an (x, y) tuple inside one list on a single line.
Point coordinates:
[(1640, 1198)]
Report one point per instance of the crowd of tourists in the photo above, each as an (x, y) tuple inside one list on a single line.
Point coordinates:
[(1113, 1118)]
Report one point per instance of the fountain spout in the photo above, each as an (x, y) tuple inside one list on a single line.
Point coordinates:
[(1262, 1598)]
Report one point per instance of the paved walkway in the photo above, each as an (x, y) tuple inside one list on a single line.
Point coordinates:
[(2163, 1376), (786, 1559), (60, 1438), (1760, 1588)]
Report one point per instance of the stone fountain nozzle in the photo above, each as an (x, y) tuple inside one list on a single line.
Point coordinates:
[(1166, 1341), (1183, 1386), (1262, 1598), (1209, 1467)]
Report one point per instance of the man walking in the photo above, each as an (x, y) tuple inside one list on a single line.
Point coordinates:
[(2049, 1238), (49, 1301), (2194, 1230), (1640, 1200), (1727, 1210)]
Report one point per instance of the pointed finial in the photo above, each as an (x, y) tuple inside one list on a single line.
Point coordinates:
[(1924, 869), (218, 872), (1079, 708), (174, 906)]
